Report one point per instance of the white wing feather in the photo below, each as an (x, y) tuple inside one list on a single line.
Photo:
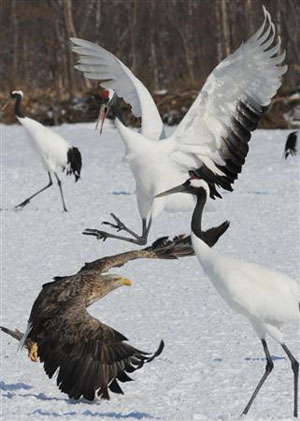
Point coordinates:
[(250, 75), (97, 63)]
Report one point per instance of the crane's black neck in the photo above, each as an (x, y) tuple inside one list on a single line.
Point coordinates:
[(18, 111), (212, 235), (197, 214), (116, 110)]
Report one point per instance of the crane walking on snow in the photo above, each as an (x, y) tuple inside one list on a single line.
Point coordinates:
[(266, 297), (54, 150), (213, 136)]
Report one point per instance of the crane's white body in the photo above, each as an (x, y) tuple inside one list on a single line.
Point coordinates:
[(153, 172), (266, 297), (251, 75), (51, 147), (54, 151)]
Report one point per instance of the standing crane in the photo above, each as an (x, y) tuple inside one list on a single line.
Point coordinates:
[(54, 150), (212, 137), (266, 297)]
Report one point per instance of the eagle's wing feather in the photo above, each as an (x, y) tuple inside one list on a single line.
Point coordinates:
[(88, 356), (162, 248)]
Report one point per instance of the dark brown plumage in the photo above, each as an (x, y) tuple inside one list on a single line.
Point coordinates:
[(88, 356)]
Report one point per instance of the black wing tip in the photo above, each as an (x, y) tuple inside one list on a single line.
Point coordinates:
[(157, 352), (226, 224), (175, 248), (75, 162)]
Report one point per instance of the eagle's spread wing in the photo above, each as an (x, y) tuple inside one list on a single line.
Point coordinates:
[(162, 248), (88, 356)]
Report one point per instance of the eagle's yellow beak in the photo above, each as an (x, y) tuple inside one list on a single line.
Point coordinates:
[(126, 281)]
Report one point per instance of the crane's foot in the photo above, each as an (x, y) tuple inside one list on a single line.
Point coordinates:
[(33, 353), (119, 225), (100, 235), (103, 235)]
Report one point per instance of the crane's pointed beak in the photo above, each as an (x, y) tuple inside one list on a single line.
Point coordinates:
[(5, 104), (177, 189), (102, 116)]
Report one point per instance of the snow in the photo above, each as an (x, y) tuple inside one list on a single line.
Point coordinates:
[(212, 359)]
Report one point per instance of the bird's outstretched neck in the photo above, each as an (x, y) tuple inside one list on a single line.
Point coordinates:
[(18, 110), (212, 235), (116, 109)]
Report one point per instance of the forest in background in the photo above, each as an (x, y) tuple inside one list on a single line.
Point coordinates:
[(171, 45)]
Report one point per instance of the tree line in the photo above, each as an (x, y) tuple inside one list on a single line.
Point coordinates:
[(169, 44)]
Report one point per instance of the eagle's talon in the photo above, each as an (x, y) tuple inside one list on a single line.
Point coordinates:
[(33, 353)]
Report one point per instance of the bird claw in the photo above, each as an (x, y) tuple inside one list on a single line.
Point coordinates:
[(100, 235), (110, 224), (33, 353), (119, 226)]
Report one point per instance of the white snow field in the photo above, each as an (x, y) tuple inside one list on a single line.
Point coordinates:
[(212, 359)]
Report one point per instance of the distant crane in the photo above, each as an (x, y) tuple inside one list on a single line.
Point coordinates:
[(292, 144), (266, 297), (54, 150), (213, 136)]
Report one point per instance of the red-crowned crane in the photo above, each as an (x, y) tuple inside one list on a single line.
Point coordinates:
[(54, 150), (213, 136), (266, 297)]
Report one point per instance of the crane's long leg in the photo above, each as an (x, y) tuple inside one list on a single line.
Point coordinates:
[(103, 235), (269, 368), (61, 192), (295, 368), (26, 201)]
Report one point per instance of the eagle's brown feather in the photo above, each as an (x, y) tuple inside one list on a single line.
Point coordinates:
[(88, 356)]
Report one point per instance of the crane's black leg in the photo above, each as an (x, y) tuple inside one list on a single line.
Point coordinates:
[(103, 235), (61, 192), (26, 201), (295, 368), (269, 368)]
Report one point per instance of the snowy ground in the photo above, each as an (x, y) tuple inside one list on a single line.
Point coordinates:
[(212, 359)]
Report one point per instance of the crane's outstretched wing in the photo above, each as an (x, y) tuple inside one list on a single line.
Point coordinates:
[(213, 136), (97, 63)]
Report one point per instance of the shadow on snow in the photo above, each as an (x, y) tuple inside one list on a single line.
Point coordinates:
[(88, 413)]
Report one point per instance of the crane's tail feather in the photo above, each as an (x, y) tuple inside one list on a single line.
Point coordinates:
[(211, 236), (74, 162)]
